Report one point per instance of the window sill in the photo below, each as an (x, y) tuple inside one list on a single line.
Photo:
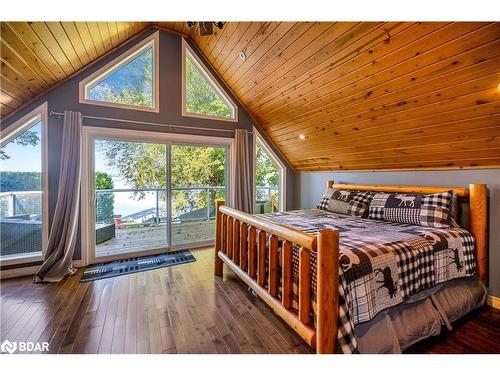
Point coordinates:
[(21, 259)]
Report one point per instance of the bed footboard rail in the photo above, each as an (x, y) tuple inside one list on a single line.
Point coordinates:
[(243, 244)]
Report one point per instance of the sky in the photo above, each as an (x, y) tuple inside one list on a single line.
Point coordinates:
[(24, 158)]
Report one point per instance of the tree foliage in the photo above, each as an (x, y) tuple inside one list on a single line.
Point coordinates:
[(201, 97), (195, 166), (132, 84), (143, 166), (104, 201), (266, 171), (266, 174)]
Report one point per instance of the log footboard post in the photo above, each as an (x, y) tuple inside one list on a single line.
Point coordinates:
[(327, 291), (218, 238)]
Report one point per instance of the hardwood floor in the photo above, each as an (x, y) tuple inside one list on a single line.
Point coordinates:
[(180, 309)]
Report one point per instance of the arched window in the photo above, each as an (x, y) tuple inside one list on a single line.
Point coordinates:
[(129, 81), (202, 96)]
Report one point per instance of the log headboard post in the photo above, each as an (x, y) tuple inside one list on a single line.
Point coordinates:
[(329, 183), (479, 227)]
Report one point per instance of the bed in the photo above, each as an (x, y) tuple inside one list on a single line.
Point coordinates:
[(340, 281)]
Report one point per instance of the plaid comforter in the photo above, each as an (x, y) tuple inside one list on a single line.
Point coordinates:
[(382, 264)]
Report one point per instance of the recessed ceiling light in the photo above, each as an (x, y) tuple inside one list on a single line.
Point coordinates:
[(243, 55), (302, 137)]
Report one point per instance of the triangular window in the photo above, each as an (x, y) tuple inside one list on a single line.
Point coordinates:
[(202, 95), (128, 81)]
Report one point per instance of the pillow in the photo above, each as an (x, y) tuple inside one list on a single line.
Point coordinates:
[(348, 202), (425, 210)]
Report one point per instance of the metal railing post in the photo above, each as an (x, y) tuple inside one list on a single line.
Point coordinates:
[(11, 205), (208, 203), (157, 219)]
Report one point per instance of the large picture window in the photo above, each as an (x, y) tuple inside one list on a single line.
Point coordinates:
[(23, 186), (130, 81), (202, 96)]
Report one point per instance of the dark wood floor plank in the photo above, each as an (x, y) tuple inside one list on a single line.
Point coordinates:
[(181, 309)]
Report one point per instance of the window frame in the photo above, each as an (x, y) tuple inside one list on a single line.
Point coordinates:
[(39, 114), (151, 41), (281, 166), (188, 50), (87, 192)]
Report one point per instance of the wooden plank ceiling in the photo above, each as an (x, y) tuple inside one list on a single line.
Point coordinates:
[(331, 96)]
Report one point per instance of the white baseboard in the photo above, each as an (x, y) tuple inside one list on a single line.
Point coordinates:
[(494, 302)]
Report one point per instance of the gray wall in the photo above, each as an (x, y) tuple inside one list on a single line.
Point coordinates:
[(312, 186), (65, 97)]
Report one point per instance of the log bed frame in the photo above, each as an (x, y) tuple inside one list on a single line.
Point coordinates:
[(243, 249)]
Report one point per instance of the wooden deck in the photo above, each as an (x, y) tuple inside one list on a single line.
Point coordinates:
[(181, 309), (133, 239)]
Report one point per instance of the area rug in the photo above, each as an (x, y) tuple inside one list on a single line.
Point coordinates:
[(133, 265)]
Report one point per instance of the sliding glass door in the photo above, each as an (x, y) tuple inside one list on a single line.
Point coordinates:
[(198, 179), (149, 197), (130, 197)]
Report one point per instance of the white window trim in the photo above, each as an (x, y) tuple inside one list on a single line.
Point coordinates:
[(117, 63), (186, 49), (281, 166), (38, 114), (87, 192)]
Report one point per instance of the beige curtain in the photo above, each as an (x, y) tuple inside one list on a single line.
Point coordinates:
[(241, 185), (62, 235)]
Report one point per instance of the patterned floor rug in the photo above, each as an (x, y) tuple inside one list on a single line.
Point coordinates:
[(133, 265)]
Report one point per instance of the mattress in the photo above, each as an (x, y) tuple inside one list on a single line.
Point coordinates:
[(382, 264), (425, 315)]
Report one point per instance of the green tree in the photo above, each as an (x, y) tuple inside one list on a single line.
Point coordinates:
[(194, 166), (134, 88), (201, 97), (104, 201), (143, 166), (266, 174)]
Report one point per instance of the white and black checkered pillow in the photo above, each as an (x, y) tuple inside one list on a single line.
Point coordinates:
[(425, 210), (349, 202)]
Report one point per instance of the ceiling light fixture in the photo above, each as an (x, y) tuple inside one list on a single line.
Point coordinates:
[(205, 28), (302, 137), (243, 55)]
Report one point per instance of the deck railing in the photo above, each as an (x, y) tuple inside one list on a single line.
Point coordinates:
[(15, 202), (266, 192)]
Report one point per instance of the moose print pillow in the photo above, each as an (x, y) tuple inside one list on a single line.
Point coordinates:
[(425, 210), (348, 202)]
